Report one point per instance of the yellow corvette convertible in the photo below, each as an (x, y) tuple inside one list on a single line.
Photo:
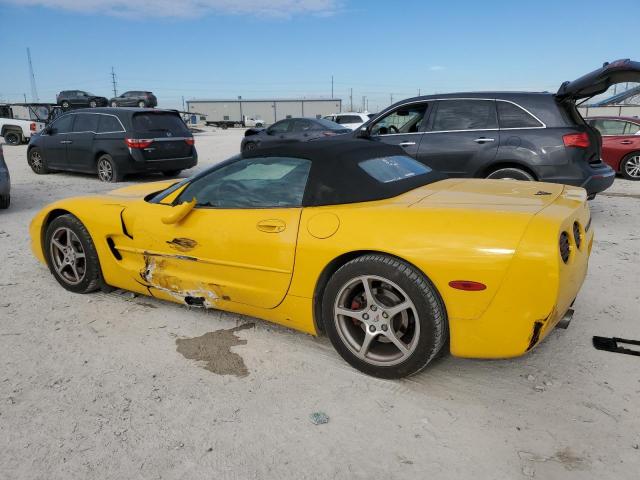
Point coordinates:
[(347, 237)]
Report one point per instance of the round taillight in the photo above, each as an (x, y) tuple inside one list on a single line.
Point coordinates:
[(565, 248)]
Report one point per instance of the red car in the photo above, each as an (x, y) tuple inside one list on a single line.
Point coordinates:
[(620, 143)]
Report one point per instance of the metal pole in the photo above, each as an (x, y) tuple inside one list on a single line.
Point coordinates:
[(391, 96), (113, 82), (183, 103), (351, 99), (332, 86)]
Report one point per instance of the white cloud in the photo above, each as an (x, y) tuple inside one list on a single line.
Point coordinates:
[(190, 8), (436, 68)]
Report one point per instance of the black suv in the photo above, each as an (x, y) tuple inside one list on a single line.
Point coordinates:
[(78, 98), (524, 136), (113, 142), (135, 98)]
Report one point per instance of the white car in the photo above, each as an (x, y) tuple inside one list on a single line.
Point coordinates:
[(350, 120), (15, 130)]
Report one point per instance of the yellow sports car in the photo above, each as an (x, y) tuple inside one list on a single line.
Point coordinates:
[(348, 237)]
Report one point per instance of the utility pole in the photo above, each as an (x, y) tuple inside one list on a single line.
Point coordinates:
[(25, 97), (332, 87), (364, 102), (418, 92), (351, 99), (183, 104), (391, 97), (32, 78), (114, 83)]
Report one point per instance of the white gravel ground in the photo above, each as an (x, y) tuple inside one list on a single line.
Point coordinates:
[(92, 386)]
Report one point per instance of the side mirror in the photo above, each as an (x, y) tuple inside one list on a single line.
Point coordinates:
[(179, 212), (269, 132), (363, 133), (47, 130)]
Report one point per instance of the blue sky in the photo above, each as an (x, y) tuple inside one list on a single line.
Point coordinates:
[(290, 48)]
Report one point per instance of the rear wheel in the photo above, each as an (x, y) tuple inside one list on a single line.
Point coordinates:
[(114, 104), (511, 173), (383, 316), (108, 170), (37, 162), (65, 105), (13, 137), (171, 173), (141, 104), (249, 146), (5, 201), (93, 104), (71, 255), (630, 167)]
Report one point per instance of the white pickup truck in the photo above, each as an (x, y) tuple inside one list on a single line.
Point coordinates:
[(15, 126)]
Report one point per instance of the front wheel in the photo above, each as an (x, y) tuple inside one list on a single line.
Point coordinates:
[(5, 201), (37, 162), (93, 104), (171, 173), (114, 104), (630, 167), (108, 170), (71, 255), (249, 146), (511, 173), (383, 316), (65, 105)]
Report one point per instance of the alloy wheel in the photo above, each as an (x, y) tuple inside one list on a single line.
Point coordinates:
[(68, 256), (105, 170), (36, 161), (376, 320), (632, 167)]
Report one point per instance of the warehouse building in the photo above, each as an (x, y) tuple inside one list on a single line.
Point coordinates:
[(267, 110)]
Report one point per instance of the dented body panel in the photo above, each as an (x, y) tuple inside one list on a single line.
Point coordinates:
[(268, 263)]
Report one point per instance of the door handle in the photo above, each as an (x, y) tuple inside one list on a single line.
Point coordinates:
[(406, 144), (66, 141), (271, 226), (483, 140), (626, 142)]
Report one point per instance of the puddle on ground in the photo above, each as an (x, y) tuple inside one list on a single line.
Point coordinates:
[(214, 348)]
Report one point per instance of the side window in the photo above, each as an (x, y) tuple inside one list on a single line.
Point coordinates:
[(631, 128), (465, 115), (86, 122), (349, 119), (610, 127), (301, 126), (109, 124), (279, 127), (405, 119), (62, 125), (512, 116), (265, 182)]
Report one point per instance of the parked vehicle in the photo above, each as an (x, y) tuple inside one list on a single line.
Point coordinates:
[(245, 122), (351, 120), (292, 130), (351, 238), (135, 98), (620, 143), (68, 99), (114, 142), (523, 136), (5, 182), (16, 130)]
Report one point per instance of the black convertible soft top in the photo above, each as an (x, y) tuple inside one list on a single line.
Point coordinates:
[(336, 174)]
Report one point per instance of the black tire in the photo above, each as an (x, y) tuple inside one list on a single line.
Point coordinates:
[(107, 169), (629, 166), (87, 268), (36, 161), (426, 319), (93, 104), (249, 146), (224, 126), (65, 105), (171, 173), (13, 137), (141, 104), (5, 201), (114, 104), (511, 173)]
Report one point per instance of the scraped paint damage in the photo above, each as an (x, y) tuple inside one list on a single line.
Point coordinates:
[(196, 295), (182, 244)]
